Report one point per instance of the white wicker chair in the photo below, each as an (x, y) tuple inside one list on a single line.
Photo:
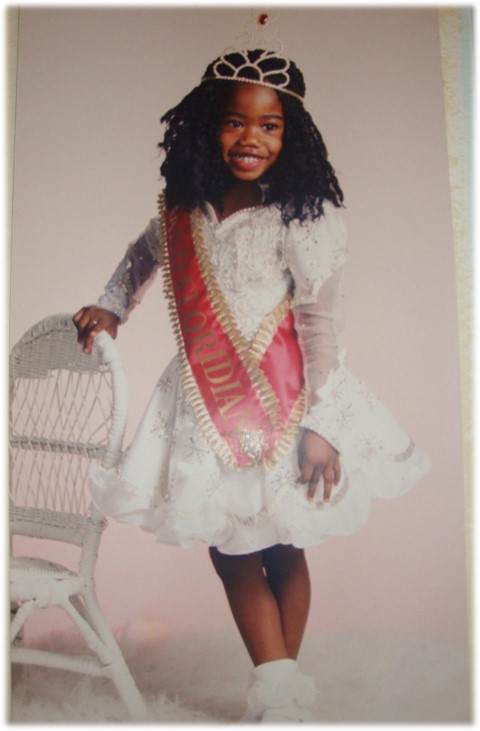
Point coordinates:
[(66, 409)]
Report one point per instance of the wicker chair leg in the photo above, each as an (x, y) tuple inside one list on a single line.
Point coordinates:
[(89, 633), (19, 617), (79, 607), (118, 669), (128, 691)]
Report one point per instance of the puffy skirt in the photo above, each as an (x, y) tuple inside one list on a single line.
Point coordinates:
[(172, 484)]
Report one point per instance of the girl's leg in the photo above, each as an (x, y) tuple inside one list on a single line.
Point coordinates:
[(253, 604), (269, 595), (287, 574)]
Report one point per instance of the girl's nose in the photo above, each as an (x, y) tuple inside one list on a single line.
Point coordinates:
[(249, 136)]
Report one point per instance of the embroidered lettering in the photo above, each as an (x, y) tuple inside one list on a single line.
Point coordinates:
[(194, 320), (188, 288), (237, 395)]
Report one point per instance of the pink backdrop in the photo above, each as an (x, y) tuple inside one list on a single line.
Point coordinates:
[(92, 85)]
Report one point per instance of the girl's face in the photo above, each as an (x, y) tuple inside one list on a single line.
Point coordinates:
[(251, 130)]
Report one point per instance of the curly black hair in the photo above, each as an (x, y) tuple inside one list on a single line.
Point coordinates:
[(195, 173)]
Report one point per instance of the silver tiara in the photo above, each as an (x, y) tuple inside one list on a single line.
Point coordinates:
[(266, 65), (240, 66)]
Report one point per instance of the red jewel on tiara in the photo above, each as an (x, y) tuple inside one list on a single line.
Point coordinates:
[(262, 18)]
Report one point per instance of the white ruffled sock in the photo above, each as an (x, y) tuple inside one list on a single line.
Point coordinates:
[(280, 693)]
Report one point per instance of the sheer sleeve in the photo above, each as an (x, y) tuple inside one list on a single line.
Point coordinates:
[(319, 326), (316, 254), (134, 274)]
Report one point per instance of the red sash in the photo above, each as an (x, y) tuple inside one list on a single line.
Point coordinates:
[(247, 396)]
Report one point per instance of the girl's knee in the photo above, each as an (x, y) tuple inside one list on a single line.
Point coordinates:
[(232, 568)]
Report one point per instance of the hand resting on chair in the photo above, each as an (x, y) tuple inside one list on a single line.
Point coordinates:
[(91, 320)]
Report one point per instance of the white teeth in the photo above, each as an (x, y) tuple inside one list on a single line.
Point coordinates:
[(248, 159)]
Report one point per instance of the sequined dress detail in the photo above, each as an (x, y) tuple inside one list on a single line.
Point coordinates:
[(171, 482)]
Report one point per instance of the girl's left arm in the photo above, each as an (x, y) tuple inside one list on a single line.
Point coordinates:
[(316, 255), (319, 325)]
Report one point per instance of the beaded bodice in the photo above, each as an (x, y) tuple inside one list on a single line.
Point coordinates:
[(246, 252)]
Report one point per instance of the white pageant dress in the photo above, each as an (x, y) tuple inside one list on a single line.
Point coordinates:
[(171, 482)]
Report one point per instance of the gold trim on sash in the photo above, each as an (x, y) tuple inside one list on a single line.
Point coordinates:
[(250, 354), (224, 315)]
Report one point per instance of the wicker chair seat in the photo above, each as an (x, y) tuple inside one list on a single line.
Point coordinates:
[(43, 580)]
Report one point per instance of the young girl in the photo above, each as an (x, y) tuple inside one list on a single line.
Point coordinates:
[(257, 440)]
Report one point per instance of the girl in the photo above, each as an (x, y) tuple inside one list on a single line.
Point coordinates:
[(257, 440)]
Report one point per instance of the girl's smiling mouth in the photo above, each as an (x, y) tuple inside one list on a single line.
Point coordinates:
[(246, 161)]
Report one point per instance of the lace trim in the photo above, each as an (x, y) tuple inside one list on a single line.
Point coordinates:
[(270, 510), (212, 214)]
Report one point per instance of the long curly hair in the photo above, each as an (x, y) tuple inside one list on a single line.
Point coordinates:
[(195, 173)]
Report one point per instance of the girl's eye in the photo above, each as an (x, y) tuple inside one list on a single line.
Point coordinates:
[(232, 123), (270, 127)]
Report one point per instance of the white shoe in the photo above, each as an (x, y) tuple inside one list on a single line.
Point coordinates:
[(280, 693)]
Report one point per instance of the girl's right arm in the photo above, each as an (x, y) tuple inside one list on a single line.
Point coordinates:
[(124, 290), (91, 320)]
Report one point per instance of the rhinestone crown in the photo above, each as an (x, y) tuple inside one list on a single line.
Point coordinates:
[(266, 68)]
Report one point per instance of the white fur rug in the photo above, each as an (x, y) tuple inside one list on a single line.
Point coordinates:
[(370, 677)]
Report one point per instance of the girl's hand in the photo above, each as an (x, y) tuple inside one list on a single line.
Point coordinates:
[(91, 320), (316, 459)]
